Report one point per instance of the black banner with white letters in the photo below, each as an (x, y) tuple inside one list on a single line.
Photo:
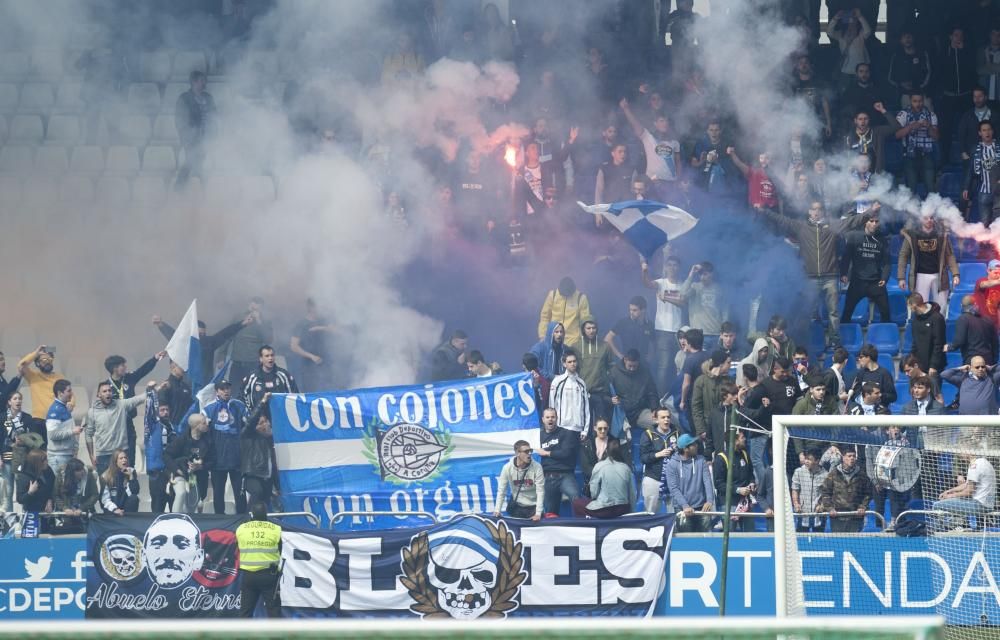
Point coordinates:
[(170, 565), (478, 567)]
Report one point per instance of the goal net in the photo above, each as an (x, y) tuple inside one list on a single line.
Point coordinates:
[(888, 515), (884, 628)]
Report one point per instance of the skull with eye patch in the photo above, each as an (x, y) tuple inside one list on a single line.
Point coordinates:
[(462, 566)]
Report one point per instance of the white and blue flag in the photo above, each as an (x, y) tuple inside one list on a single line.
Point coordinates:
[(184, 347), (646, 224), (203, 397)]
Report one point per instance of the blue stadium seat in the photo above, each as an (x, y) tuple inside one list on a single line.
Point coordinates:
[(817, 339), (954, 359), (955, 307), (968, 250), (860, 314), (885, 360), (950, 185), (885, 336), (949, 392), (949, 330), (907, 346), (968, 273), (850, 337), (898, 311), (902, 392), (895, 243), (893, 156)]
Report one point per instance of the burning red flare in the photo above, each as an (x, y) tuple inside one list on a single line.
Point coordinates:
[(510, 156)]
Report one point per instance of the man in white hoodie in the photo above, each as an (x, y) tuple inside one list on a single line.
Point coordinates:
[(568, 396), (527, 482)]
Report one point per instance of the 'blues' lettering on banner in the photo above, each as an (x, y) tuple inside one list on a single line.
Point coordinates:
[(436, 448), (475, 567)]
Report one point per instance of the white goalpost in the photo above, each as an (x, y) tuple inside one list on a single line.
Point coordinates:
[(949, 558)]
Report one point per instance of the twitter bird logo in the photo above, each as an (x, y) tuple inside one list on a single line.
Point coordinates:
[(39, 569)]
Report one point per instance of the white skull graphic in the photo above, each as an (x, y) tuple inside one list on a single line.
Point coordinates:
[(463, 568), (121, 552), (124, 561)]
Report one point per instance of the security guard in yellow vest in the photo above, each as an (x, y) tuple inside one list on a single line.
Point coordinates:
[(259, 541)]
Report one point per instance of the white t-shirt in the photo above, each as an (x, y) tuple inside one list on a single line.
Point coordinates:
[(662, 156), (668, 315), (981, 472)]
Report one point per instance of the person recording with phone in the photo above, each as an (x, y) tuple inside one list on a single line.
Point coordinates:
[(120, 486), (188, 458)]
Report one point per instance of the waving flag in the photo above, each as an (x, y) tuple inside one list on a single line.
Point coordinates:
[(185, 347), (646, 224), (204, 395)]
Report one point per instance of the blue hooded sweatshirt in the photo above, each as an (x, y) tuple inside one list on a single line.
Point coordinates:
[(549, 354)]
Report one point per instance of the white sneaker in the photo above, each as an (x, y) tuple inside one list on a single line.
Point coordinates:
[(200, 507)]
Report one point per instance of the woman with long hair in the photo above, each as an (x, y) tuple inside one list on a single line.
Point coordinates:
[(120, 492), (75, 496), (36, 483), (595, 448), (611, 485), (16, 440)]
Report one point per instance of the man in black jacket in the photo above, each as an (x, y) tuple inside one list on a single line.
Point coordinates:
[(559, 450), (123, 384), (257, 455), (177, 394), (193, 114), (743, 485), (928, 334), (655, 447), (448, 359), (635, 391), (922, 401), (869, 370), (974, 335), (781, 390), (956, 76), (267, 379), (209, 344), (188, 459), (866, 262), (982, 110)]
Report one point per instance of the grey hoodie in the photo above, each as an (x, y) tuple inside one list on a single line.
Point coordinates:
[(106, 425), (526, 485), (759, 343)]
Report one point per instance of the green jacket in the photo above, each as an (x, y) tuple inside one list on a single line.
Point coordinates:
[(596, 361), (807, 407), (707, 394)]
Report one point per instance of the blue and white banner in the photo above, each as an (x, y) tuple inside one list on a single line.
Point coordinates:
[(475, 567), (435, 448)]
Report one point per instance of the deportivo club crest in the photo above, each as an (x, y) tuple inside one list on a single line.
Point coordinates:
[(408, 452), (470, 569)]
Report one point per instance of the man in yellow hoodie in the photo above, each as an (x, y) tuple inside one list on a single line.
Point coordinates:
[(566, 305)]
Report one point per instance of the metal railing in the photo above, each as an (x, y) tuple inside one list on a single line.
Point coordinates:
[(944, 513), (841, 514), (340, 515), (311, 517)]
